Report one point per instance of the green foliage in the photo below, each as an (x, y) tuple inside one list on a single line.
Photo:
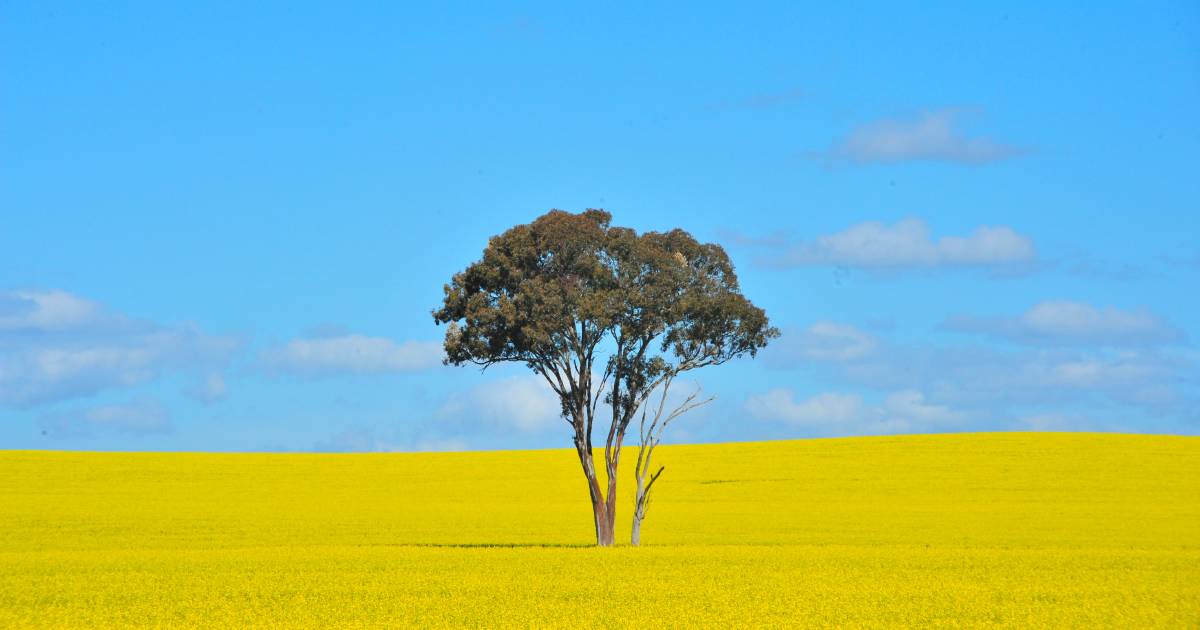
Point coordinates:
[(551, 292)]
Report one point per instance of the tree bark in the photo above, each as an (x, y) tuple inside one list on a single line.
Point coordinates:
[(641, 500), (605, 534), (610, 508)]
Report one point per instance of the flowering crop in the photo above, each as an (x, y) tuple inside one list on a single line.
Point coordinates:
[(1019, 530)]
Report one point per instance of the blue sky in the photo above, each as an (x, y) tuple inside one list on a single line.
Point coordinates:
[(224, 227)]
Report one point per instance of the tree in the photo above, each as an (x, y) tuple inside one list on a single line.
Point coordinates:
[(602, 313)]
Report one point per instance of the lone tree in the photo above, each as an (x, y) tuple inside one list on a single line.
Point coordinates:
[(602, 313)]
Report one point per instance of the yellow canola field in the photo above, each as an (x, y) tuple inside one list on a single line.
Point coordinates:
[(1011, 529)]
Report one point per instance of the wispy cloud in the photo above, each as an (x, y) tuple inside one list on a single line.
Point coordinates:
[(52, 310), (139, 417), (827, 409), (209, 389), (1105, 368), (355, 441), (932, 136), (1066, 322), (523, 403), (834, 413), (366, 441), (350, 354), (821, 341), (908, 244), (55, 345), (998, 379)]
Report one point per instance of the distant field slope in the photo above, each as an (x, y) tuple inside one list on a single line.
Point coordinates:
[(1020, 530)]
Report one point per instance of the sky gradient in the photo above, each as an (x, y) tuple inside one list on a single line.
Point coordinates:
[(224, 228)]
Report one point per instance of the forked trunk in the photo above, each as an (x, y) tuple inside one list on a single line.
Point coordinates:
[(605, 536), (602, 516), (610, 507)]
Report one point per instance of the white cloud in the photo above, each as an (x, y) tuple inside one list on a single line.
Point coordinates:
[(1073, 323), (994, 380), (365, 441), (47, 311), (1096, 372), (441, 445), (822, 341), (355, 441), (524, 403), (932, 135), (1045, 422), (909, 244), (828, 409), (210, 389), (1098, 384), (351, 353), (834, 413), (55, 345), (141, 416), (910, 408)]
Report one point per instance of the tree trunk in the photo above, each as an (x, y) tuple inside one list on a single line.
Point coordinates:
[(605, 534), (640, 503), (611, 502)]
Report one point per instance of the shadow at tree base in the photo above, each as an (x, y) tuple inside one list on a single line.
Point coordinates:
[(486, 545)]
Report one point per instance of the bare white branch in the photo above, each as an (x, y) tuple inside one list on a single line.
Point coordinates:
[(652, 424)]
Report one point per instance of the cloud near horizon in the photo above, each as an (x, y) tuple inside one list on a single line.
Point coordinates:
[(350, 354), (523, 403), (821, 341), (834, 413), (55, 345), (1067, 322), (1066, 357), (999, 382), (142, 416), (908, 244), (933, 135), (360, 440), (209, 389)]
